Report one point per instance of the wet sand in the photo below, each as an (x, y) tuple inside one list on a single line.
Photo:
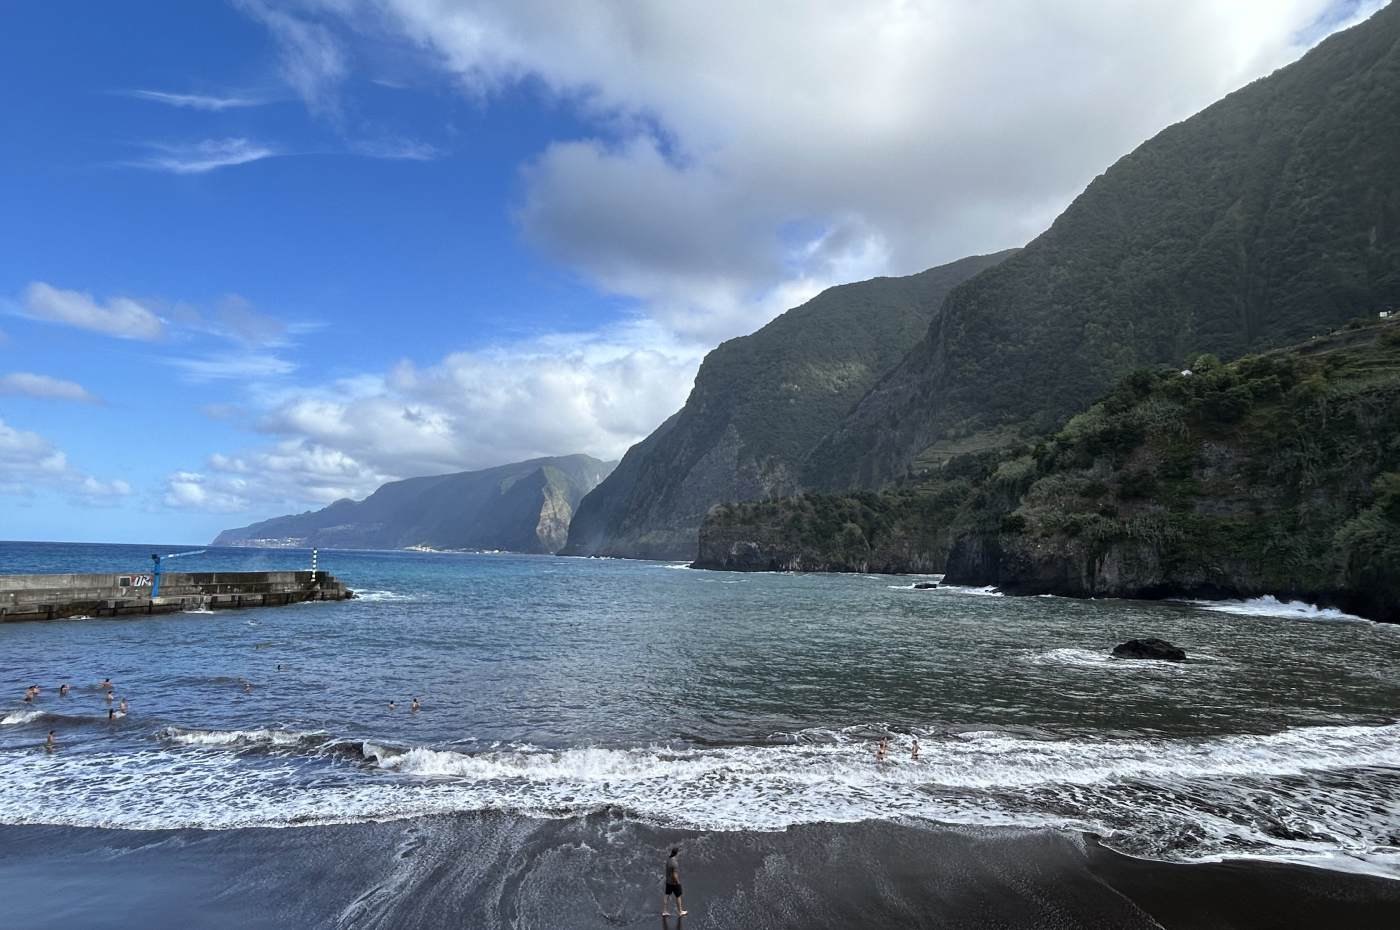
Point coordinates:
[(604, 871)]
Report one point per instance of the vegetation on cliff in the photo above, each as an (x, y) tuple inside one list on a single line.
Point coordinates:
[(1269, 216), (1276, 474), (760, 403)]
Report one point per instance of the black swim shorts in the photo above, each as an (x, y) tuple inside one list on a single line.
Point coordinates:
[(673, 888)]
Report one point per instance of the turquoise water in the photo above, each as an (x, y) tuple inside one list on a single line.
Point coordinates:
[(558, 687)]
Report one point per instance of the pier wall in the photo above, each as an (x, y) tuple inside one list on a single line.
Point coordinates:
[(112, 594)]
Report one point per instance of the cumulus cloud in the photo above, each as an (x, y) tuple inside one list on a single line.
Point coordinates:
[(207, 102), (742, 147), (290, 475), (118, 316), (549, 395), (32, 385), (29, 462), (203, 156)]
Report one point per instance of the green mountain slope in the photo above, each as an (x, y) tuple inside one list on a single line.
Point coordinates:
[(522, 507), (1278, 474), (1269, 216), (759, 404)]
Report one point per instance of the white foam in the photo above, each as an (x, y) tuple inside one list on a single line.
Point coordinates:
[(984, 591), (21, 716), (1105, 661), (1270, 606), (267, 736), (382, 596), (1240, 792)]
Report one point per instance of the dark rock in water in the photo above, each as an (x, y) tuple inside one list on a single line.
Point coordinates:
[(1149, 649), (925, 585)]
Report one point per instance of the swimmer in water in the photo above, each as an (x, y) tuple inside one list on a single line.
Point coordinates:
[(63, 689), (915, 754), (247, 687), (393, 706), (415, 706), (123, 705), (51, 743), (883, 749), (29, 697), (106, 684), (108, 696)]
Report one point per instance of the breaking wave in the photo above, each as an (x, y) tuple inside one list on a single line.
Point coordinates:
[(1270, 606), (1301, 792), (21, 716)]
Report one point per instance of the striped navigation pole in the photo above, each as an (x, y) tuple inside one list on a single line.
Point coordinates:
[(313, 560)]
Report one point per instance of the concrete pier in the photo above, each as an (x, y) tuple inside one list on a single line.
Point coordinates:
[(56, 597)]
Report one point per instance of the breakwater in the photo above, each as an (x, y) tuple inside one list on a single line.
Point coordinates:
[(114, 594)]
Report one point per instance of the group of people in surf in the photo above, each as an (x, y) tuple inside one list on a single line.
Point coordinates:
[(882, 750), (116, 707), (415, 706)]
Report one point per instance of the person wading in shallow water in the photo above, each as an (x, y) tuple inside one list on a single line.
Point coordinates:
[(673, 887)]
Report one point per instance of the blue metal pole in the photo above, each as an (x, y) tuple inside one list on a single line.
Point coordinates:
[(155, 584)]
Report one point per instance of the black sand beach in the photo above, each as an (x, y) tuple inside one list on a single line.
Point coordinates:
[(604, 871)]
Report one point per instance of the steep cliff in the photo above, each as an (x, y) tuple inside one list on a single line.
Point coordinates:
[(760, 403), (1278, 474), (522, 507), (1275, 474), (1269, 216)]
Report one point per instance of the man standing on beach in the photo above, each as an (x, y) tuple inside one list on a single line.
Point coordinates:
[(673, 887)]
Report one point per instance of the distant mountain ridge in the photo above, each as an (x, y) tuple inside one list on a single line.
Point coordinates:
[(521, 507), (760, 403), (1269, 216)]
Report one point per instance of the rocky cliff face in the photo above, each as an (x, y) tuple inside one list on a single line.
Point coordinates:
[(1278, 474), (1271, 215), (523, 507), (760, 403)]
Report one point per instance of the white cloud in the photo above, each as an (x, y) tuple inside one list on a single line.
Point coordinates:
[(196, 101), (32, 385), (191, 490), (549, 395), (29, 462), (203, 156), (741, 147), (119, 316)]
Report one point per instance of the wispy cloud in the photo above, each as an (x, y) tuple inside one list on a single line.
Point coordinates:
[(206, 102), (249, 366), (118, 316), (404, 149), (31, 385), (313, 60), (206, 155)]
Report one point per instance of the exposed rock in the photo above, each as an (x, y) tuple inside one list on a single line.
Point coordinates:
[(925, 585), (760, 403), (1151, 648), (522, 507)]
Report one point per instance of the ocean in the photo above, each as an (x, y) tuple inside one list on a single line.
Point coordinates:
[(579, 716)]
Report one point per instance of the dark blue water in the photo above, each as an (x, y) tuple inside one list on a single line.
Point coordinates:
[(562, 687)]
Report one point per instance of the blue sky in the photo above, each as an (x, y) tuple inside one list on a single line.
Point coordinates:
[(256, 256)]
